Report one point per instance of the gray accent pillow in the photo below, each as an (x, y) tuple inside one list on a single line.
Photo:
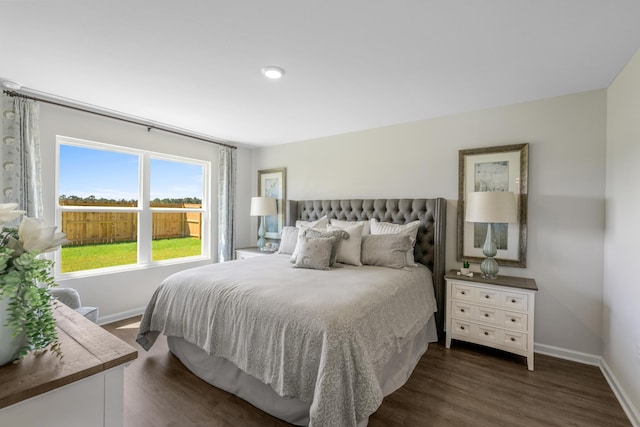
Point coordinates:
[(410, 229), (385, 250), (315, 233), (315, 253)]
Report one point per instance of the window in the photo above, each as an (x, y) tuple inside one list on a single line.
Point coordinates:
[(124, 207)]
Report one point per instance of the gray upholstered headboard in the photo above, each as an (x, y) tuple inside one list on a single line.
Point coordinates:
[(430, 243)]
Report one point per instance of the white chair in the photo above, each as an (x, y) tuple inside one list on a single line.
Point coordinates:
[(71, 298)]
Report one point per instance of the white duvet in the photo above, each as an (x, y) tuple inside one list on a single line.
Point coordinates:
[(319, 336)]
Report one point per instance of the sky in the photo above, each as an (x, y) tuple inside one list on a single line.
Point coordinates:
[(110, 175)]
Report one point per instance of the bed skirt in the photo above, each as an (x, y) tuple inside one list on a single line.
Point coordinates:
[(225, 375)]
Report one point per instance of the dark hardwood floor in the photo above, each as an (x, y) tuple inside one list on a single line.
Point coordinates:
[(463, 386)]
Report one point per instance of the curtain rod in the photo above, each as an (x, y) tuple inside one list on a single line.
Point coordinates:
[(110, 116)]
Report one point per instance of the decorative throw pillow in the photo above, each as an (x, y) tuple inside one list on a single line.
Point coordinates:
[(314, 232), (385, 250), (410, 229), (320, 225), (315, 253), (349, 249), (338, 234), (288, 240), (366, 226)]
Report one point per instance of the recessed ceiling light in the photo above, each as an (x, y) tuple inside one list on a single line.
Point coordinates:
[(9, 84), (272, 72)]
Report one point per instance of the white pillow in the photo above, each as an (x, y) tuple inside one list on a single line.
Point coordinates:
[(410, 229), (319, 223), (366, 227), (288, 240), (349, 249)]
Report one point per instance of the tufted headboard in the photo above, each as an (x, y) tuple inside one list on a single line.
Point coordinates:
[(430, 242)]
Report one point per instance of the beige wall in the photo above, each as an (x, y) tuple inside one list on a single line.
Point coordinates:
[(420, 159), (621, 286)]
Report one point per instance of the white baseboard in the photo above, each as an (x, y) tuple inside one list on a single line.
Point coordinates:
[(563, 353), (626, 403), (591, 359), (120, 316)]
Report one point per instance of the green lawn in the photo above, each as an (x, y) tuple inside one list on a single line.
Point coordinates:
[(75, 258)]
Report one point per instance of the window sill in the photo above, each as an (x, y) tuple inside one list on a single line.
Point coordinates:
[(131, 267)]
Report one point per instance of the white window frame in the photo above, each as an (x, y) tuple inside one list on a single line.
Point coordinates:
[(143, 210)]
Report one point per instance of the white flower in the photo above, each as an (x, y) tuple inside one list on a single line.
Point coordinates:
[(8, 212), (36, 236)]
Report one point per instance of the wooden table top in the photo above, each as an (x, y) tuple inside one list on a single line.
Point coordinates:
[(514, 282), (87, 350)]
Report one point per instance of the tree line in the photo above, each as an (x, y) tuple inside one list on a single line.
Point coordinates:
[(94, 199)]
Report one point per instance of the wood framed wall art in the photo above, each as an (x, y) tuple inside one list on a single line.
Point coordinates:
[(501, 168), (273, 183)]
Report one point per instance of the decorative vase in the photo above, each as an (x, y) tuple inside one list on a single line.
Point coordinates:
[(9, 345)]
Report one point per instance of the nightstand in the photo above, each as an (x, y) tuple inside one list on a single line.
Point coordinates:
[(497, 313), (244, 253)]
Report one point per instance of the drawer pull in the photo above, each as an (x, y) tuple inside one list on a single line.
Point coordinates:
[(512, 339), (513, 300), (486, 333), (486, 296), (486, 315), (462, 328), (463, 293), (513, 320), (462, 310)]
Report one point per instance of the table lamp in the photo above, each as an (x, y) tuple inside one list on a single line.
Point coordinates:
[(263, 206), (490, 207)]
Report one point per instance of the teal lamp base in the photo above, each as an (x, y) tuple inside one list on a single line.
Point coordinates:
[(261, 241), (489, 266)]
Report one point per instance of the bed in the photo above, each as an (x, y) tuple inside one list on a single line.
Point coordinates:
[(311, 347)]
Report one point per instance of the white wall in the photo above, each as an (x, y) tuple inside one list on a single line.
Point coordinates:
[(621, 286), (566, 192), (126, 293)]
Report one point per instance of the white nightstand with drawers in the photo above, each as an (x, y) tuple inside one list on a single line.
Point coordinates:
[(498, 313), (244, 253)]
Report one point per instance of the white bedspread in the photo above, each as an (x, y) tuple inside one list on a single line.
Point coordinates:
[(319, 336)]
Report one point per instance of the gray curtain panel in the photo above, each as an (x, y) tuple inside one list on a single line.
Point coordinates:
[(20, 153), (226, 203)]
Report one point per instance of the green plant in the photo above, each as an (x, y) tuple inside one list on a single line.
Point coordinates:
[(25, 278), (465, 264)]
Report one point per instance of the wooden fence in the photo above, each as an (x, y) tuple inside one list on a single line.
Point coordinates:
[(90, 228)]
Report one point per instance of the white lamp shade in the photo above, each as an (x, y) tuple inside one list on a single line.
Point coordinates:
[(491, 207), (263, 206)]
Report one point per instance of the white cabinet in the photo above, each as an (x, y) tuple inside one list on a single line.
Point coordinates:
[(84, 388), (94, 401), (497, 313)]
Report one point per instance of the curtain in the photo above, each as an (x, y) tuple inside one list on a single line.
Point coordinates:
[(226, 203), (20, 154)]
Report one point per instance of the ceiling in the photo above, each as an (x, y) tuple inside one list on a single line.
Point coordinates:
[(350, 64)]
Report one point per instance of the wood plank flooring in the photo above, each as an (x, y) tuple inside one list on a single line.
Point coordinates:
[(466, 385)]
